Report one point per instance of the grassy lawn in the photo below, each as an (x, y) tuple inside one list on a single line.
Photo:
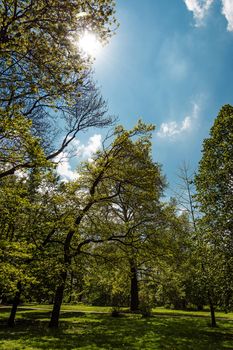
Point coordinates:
[(72, 307), (167, 329)]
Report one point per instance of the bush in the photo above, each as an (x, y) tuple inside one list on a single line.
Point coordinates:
[(145, 309), (115, 311)]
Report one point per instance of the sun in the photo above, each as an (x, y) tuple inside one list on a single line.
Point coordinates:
[(90, 44)]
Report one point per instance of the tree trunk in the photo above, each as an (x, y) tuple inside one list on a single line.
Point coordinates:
[(61, 287), (134, 300), (11, 319), (58, 301), (71, 287), (212, 311)]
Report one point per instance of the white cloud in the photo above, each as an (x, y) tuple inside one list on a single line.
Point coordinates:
[(64, 167), (199, 8), (78, 151), (227, 11), (94, 143), (173, 128)]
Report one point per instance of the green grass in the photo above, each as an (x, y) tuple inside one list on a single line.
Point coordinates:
[(167, 329), (205, 313), (73, 307), (156, 311)]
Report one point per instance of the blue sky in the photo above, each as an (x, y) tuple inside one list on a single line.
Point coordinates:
[(170, 64)]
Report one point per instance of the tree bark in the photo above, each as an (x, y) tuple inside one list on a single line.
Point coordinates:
[(58, 301), (134, 300), (212, 311), (62, 283), (71, 287), (16, 301)]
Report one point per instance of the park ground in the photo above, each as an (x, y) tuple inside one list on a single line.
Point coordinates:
[(85, 327)]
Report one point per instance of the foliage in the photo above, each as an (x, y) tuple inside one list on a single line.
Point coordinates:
[(39, 56), (43, 72), (214, 180), (214, 193), (18, 146)]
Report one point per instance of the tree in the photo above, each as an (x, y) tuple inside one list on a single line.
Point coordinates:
[(27, 143), (29, 217), (199, 282), (43, 71), (122, 162), (171, 251), (40, 58), (185, 195), (18, 147), (214, 183), (137, 210), (214, 180)]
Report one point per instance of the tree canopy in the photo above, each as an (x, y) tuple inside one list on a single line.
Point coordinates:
[(214, 180)]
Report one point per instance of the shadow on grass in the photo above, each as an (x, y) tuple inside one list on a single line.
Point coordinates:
[(96, 331)]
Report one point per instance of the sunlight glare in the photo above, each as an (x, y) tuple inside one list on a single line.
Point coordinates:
[(90, 44)]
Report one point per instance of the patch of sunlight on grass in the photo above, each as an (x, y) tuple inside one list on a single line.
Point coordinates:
[(205, 313), (73, 307)]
